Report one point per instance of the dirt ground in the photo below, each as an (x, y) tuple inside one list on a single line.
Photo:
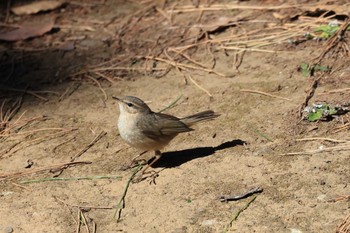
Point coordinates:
[(65, 79)]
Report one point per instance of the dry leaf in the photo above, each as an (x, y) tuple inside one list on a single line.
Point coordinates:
[(35, 7), (27, 31)]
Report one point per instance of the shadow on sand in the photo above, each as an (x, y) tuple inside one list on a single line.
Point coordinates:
[(176, 158)]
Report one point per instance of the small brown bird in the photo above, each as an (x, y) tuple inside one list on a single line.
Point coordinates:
[(144, 129)]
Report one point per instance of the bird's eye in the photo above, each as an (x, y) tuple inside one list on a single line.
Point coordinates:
[(130, 104)]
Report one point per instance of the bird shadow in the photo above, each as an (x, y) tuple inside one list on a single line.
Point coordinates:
[(176, 158)]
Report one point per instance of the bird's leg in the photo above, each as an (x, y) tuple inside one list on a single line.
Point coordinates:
[(132, 163), (158, 154), (137, 156)]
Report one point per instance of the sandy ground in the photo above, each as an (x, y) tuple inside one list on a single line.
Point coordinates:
[(242, 149)]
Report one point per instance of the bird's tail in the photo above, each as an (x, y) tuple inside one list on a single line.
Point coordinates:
[(198, 117)]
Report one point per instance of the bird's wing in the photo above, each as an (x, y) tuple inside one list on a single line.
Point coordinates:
[(163, 125)]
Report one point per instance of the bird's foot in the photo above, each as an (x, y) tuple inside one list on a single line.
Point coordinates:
[(133, 164), (152, 177)]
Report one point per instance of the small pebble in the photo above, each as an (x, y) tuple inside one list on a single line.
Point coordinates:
[(293, 230), (8, 230), (322, 197), (209, 222)]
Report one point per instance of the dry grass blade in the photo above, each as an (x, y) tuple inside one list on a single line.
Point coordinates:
[(105, 77), (342, 127), (84, 207), (79, 221), (344, 227), (182, 65), (247, 49), (26, 143), (83, 218), (335, 91), (99, 86), (112, 68), (33, 93), (264, 93), (7, 114), (197, 85), (220, 7), (69, 179), (13, 129), (322, 139), (40, 130), (310, 152), (65, 204), (188, 58), (7, 176), (96, 139), (69, 91)]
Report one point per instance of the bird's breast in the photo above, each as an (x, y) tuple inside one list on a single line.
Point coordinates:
[(132, 133), (127, 126)]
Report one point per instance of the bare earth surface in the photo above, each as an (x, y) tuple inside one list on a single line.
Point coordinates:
[(244, 148)]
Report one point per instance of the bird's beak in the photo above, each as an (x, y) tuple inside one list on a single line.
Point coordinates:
[(117, 98)]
